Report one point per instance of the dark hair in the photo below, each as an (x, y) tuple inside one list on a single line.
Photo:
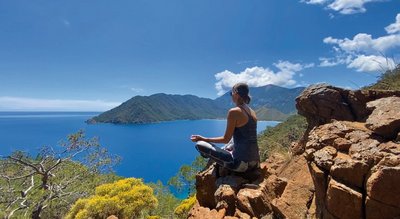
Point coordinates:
[(242, 89)]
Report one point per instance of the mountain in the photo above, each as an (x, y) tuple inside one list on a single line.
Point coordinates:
[(270, 97), (270, 102), (161, 107)]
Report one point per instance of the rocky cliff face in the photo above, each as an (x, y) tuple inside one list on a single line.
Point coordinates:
[(347, 165)]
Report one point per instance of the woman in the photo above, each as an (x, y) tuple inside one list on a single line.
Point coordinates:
[(241, 154)]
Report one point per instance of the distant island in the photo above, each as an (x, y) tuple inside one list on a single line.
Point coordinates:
[(270, 103)]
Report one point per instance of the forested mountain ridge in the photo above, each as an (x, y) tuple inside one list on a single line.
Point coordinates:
[(270, 102)]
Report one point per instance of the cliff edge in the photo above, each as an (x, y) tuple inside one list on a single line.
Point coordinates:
[(347, 164)]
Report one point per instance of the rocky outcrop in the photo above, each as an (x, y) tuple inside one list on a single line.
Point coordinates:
[(347, 165), (353, 152)]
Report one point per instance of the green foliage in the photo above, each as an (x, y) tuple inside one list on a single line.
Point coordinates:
[(46, 186), (126, 198), (390, 80), (167, 201), (186, 177), (182, 210), (278, 139)]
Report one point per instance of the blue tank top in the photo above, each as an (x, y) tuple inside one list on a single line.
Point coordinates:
[(245, 141)]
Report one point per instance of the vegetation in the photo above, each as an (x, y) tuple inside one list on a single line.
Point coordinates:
[(167, 201), (278, 139), (126, 198), (390, 80), (185, 179), (46, 186), (184, 207), (271, 103)]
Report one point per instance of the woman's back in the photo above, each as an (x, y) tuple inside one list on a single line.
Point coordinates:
[(245, 139)]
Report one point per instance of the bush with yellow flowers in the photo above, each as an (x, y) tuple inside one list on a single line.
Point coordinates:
[(126, 198), (183, 208)]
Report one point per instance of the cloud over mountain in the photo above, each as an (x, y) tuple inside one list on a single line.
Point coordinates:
[(260, 76)]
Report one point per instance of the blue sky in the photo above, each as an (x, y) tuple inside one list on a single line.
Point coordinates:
[(93, 55)]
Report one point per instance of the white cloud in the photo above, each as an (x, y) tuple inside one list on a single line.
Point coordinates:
[(371, 63), (343, 6), (32, 104), (363, 42), (365, 53), (259, 76), (329, 62), (395, 27), (314, 2)]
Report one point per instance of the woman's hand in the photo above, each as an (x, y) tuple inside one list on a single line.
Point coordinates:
[(196, 138)]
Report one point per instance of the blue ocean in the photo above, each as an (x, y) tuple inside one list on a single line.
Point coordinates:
[(149, 151)]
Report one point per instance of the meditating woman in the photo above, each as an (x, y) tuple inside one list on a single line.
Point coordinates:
[(241, 153)]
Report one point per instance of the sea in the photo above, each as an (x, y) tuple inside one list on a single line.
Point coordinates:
[(149, 151)]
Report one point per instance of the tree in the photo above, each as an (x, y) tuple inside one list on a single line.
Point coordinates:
[(54, 180), (167, 201), (126, 198), (185, 179)]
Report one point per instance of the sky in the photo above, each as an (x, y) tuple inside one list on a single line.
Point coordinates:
[(93, 55)]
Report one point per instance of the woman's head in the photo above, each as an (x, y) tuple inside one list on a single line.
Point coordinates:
[(242, 90)]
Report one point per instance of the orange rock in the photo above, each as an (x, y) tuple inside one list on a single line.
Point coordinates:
[(343, 202)]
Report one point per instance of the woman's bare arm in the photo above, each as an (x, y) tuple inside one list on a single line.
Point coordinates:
[(230, 127)]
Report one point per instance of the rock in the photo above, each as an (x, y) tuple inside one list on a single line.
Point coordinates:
[(352, 172), (375, 209), (390, 148), (206, 187), (366, 151), (320, 103), (385, 117), (343, 202), (293, 202), (112, 217), (273, 164), (383, 185), (324, 157), (198, 212), (253, 202), (241, 215), (273, 187), (225, 197), (320, 180), (235, 182)]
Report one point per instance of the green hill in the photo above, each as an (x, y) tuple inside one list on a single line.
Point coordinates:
[(270, 102), (161, 107)]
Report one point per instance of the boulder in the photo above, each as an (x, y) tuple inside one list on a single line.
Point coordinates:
[(253, 202), (385, 117), (199, 212), (351, 172), (225, 197), (294, 201), (375, 209), (320, 180), (343, 202), (321, 102), (383, 185), (324, 157), (206, 187)]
